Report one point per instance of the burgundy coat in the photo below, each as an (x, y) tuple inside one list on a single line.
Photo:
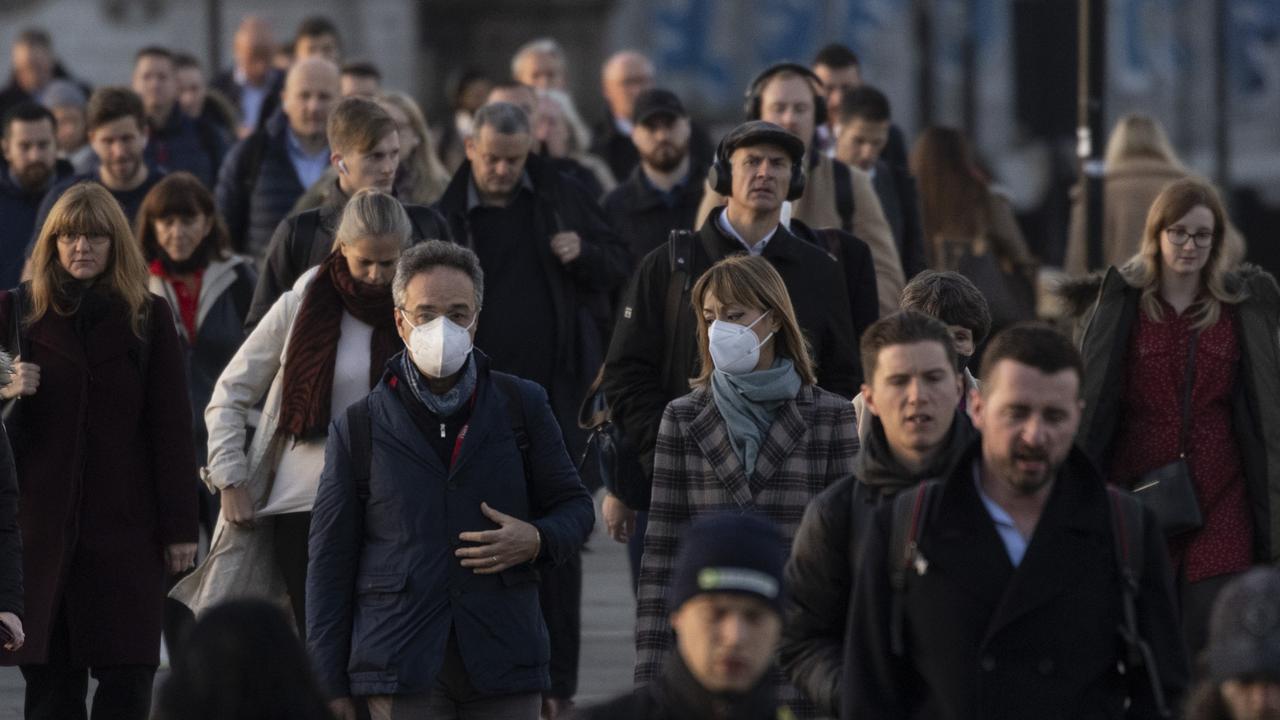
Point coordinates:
[(107, 478)]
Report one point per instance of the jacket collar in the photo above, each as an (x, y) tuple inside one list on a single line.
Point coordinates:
[(685, 698), (782, 246), (877, 466), (642, 195)]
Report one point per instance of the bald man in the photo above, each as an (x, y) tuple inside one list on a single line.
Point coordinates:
[(267, 172), (623, 77), (251, 83)]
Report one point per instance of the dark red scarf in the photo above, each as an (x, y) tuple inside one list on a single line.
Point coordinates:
[(313, 343)]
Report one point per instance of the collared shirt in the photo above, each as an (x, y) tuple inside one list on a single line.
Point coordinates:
[(668, 198), (473, 194), (723, 222), (308, 166), (1014, 543), (624, 126), (251, 99)]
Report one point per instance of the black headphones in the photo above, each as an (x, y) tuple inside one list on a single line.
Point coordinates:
[(720, 174), (754, 90)]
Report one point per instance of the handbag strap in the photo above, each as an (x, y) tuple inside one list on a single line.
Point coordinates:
[(1188, 383)]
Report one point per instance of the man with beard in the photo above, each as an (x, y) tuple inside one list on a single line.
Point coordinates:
[(31, 166), (117, 125), (663, 193), (1000, 591)]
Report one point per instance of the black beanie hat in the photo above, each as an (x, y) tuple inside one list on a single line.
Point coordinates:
[(731, 553), (1244, 627)]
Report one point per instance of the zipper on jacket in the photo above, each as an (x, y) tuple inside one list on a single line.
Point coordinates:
[(442, 433)]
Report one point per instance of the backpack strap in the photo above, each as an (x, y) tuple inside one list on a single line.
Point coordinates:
[(507, 385), (242, 291), (910, 511), (305, 226), (255, 151), (360, 432), (680, 259), (1127, 526), (844, 194)]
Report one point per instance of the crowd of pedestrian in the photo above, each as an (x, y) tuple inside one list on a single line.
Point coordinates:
[(307, 386)]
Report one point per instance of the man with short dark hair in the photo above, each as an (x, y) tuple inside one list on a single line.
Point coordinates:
[(364, 150), (361, 79), (31, 166), (265, 174), (916, 432), (444, 493), (726, 593), (251, 83), (1020, 586), (663, 193), (863, 121), (840, 71), (175, 141), (317, 36), (117, 132)]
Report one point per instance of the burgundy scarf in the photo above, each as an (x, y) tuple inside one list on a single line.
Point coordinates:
[(313, 343)]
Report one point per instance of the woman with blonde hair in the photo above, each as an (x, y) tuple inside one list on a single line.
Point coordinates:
[(320, 347), (559, 129), (756, 434), (422, 178), (1182, 370), (101, 436), (1139, 163)]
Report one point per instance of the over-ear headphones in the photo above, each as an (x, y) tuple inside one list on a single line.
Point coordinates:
[(756, 88), (720, 174)]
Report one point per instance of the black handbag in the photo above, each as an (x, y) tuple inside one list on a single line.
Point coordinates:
[(608, 453), (1169, 490)]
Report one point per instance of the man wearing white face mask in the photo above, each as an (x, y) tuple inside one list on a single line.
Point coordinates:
[(443, 493)]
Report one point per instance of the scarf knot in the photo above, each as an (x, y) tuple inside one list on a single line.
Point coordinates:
[(750, 401)]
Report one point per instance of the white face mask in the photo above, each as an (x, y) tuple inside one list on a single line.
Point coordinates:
[(440, 347), (735, 348)]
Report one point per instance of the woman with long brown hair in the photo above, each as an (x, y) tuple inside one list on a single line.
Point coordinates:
[(1182, 372), (971, 229), (320, 347), (756, 434), (106, 468)]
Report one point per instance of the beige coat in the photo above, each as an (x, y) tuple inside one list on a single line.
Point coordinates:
[(1129, 187), (817, 209)]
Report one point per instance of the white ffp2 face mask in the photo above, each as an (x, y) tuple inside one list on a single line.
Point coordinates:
[(440, 347), (735, 348)]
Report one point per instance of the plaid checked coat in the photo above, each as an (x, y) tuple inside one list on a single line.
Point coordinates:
[(811, 444)]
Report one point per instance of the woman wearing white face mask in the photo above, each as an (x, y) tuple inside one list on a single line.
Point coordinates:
[(321, 347), (756, 434)]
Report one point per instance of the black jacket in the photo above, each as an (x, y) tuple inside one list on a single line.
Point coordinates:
[(901, 202), (257, 186), (641, 213), (639, 381), (186, 143), (824, 557), (11, 589), (292, 253), (985, 640), (677, 695), (226, 84), (620, 153), (18, 208)]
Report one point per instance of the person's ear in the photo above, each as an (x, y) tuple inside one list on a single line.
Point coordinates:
[(868, 398), (975, 408)]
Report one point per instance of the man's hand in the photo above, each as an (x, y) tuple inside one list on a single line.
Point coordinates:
[(14, 625), (554, 707), (619, 519), (25, 380), (513, 543), (179, 557), (237, 508), (567, 246), (342, 709)]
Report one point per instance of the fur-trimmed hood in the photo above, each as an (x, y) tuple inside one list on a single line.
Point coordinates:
[(1078, 294)]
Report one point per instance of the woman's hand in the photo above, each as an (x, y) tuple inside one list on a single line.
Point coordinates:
[(25, 380), (180, 557), (237, 508), (619, 519), (14, 626)]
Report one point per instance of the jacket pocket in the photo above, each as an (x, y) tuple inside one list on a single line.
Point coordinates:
[(379, 589)]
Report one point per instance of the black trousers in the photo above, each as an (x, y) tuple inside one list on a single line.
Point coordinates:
[(56, 689), (560, 594), (292, 531)]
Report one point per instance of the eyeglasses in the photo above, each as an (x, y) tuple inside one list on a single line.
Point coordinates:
[(1178, 235), (73, 240), (457, 317)]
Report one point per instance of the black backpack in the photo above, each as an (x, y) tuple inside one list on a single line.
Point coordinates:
[(911, 511)]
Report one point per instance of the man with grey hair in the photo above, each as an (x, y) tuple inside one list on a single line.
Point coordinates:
[(552, 262), (540, 63), (444, 492)]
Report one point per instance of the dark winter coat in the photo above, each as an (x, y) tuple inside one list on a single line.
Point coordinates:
[(226, 84), (638, 379), (187, 144), (676, 694), (18, 210), (254, 203), (609, 144), (130, 200), (291, 254), (901, 203), (108, 480), (11, 595), (641, 213), (1110, 309), (985, 640), (384, 587), (824, 559)]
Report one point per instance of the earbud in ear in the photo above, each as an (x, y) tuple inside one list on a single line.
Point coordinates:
[(342, 167)]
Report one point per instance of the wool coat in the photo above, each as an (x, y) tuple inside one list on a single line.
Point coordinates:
[(811, 444), (107, 480)]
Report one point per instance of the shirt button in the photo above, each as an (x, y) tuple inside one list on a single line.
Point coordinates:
[(988, 663), (1045, 667)]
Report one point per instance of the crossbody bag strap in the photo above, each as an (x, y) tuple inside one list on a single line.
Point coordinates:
[(1184, 438)]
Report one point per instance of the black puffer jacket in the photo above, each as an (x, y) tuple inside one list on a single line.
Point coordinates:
[(257, 186), (824, 560)]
